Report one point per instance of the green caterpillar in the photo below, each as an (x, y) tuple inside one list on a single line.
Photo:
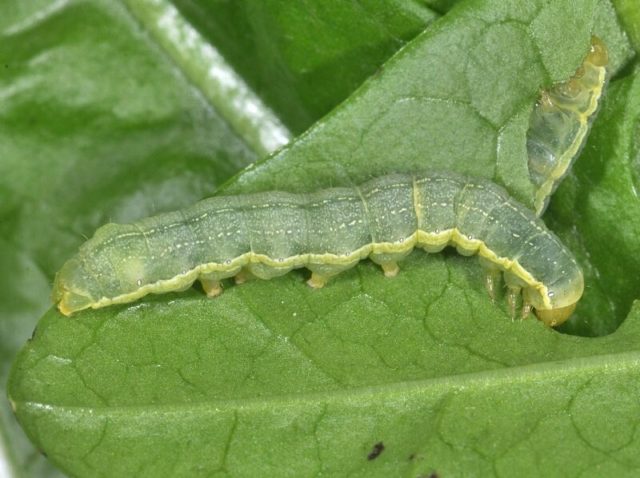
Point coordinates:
[(268, 234), (560, 122)]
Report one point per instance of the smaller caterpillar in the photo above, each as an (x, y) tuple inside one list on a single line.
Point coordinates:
[(560, 122), (329, 231)]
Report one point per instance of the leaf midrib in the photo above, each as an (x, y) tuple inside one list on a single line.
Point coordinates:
[(522, 374), (258, 127)]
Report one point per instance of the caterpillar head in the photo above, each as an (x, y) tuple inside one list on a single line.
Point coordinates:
[(562, 299), (555, 317)]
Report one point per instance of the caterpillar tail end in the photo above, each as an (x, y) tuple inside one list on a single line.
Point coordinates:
[(67, 300), (64, 310)]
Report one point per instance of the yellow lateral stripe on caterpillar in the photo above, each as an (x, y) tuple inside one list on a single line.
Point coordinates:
[(419, 239), (560, 122), (268, 234)]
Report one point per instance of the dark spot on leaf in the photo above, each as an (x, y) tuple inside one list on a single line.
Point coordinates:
[(412, 457), (375, 451), (433, 474)]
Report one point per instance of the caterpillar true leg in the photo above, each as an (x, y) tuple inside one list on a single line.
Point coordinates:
[(492, 282)]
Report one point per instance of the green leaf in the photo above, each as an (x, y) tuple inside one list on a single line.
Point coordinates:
[(306, 383), (629, 15), (597, 211), (273, 378)]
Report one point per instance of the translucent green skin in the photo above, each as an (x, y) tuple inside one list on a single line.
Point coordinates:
[(560, 122), (327, 231)]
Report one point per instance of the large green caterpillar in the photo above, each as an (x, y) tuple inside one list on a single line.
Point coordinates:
[(560, 122), (268, 234)]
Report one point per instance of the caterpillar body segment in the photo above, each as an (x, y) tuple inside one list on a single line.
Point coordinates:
[(268, 234), (560, 122)]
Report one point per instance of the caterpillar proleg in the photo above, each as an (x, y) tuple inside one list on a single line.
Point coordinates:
[(560, 122), (328, 231)]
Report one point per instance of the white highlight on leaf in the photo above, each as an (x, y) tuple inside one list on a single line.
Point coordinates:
[(5, 467), (23, 85), (215, 78), (35, 19)]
